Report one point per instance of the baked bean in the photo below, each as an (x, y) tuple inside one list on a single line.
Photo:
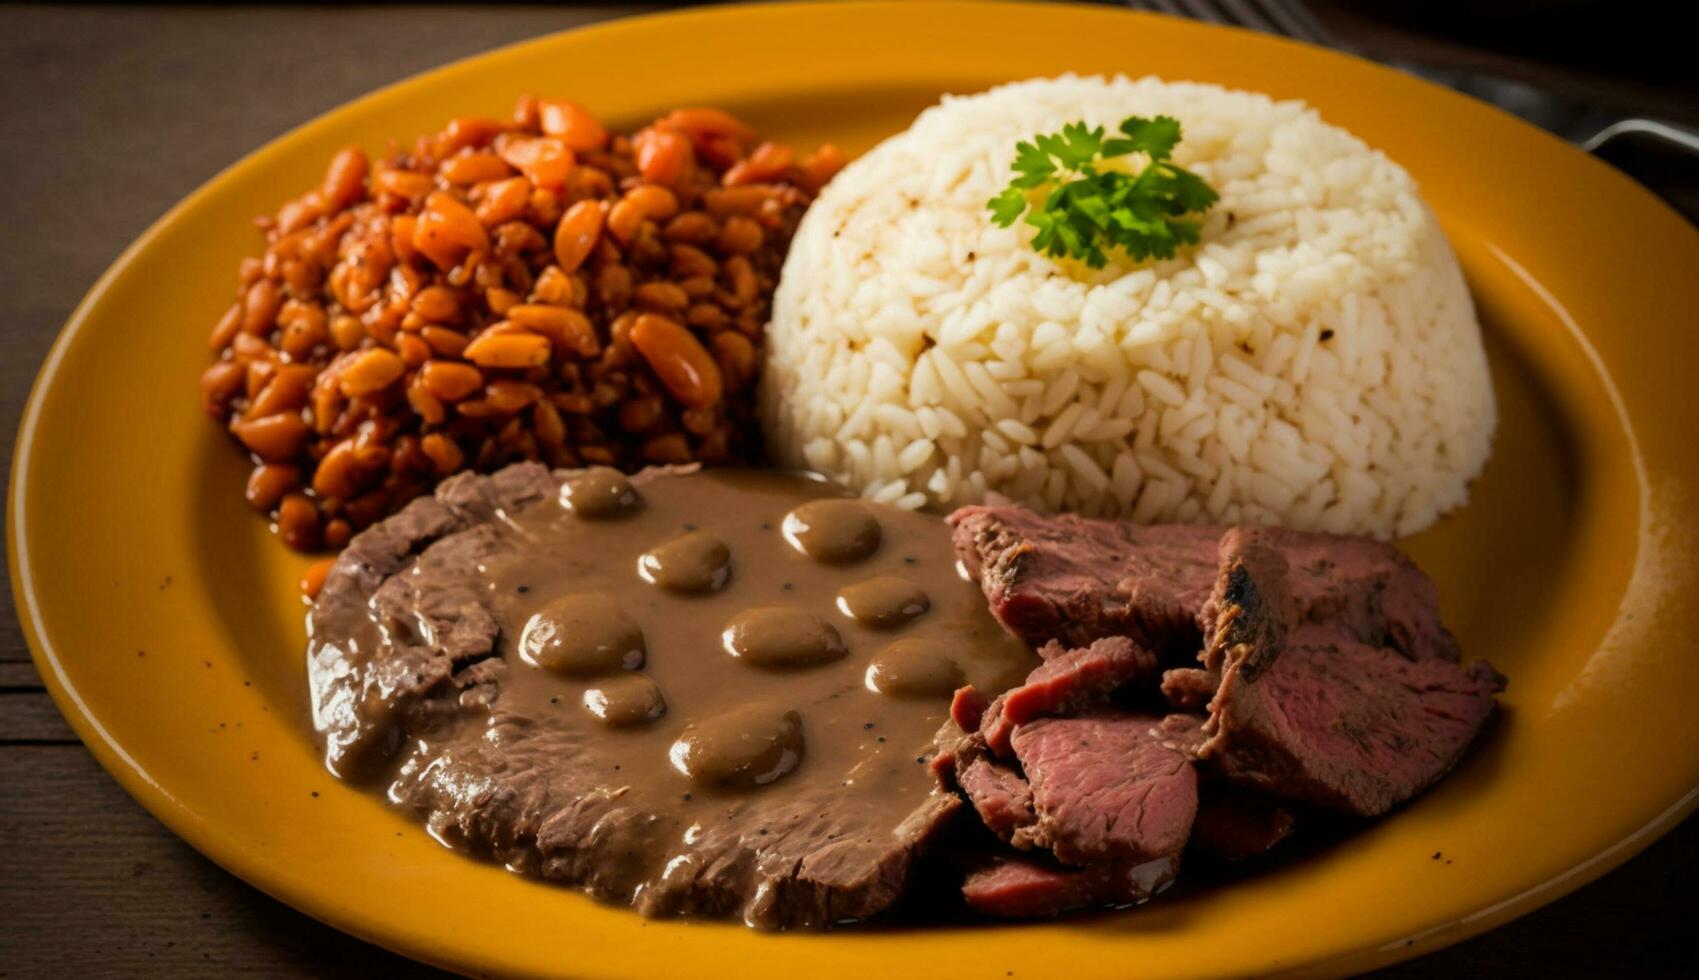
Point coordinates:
[(663, 156), (511, 396), (545, 161), (821, 166), (723, 202), (269, 482), (299, 213), (691, 227), (219, 385), (413, 350), (275, 438), (678, 359), (444, 453), (447, 230), (504, 201), (347, 331), (227, 326), (436, 304), (740, 276), (768, 162), (401, 183), (688, 261), (336, 534), (699, 123), (371, 371), (258, 376), (663, 450), (577, 234), (474, 168), (664, 297), (298, 522), (551, 429), (641, 414), (613, 286), (260, 306), (573, 123), (646, 202), (510, 350), (457, 304), (566, 328), (736, 356), (304, 329), (451, 382), (428, 406), (345, 179), (468, 131), (286, 391), (706, 316), (448, 343), (338, 473), (741, 235)]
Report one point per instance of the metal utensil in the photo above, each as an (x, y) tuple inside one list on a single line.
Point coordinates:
[(1593, 128)]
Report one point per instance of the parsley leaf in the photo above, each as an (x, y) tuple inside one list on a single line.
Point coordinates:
[(1078, 210)]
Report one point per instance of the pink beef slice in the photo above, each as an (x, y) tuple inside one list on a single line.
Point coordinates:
[(1070, 680), (1310, 712), (1024, 887), (1067, 682), (1076, 579), (1106, 787), (999, 794)]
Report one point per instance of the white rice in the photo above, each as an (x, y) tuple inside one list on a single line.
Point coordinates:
[(1314, 362)]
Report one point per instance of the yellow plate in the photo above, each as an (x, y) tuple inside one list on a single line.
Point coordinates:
[(166, 622)]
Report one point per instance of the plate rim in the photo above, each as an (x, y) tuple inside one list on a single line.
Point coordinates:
[(183, 821)]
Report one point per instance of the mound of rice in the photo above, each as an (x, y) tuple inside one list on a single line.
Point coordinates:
[(1314, 362)]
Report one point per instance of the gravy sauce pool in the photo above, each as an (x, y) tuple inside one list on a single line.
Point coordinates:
[(770, 642), (732, 649)]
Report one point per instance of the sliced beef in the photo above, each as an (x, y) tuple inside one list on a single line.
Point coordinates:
[(1182, 733), (1074, 579), (1189, 689), (1000, 795), (1365, 588), (1067, 682), (1309, 712), (1025, 887), (1105, 787), (1070, 680), (1346, 725)]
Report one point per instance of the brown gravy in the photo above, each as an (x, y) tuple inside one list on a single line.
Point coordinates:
[(725, 674), (727, 590)]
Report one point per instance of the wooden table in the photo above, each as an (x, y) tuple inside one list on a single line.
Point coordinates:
[(108, 117)]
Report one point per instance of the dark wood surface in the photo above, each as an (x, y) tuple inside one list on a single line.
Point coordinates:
[(108, 117)]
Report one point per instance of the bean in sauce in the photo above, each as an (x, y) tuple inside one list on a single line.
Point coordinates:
[(883, 602), (582, 634), (627, 699), (750, 745), (599, 493), (915, 668), (782, 637), (695, 562), (834, 531)]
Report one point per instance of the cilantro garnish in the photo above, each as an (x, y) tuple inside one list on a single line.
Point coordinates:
[(1080, 209)]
